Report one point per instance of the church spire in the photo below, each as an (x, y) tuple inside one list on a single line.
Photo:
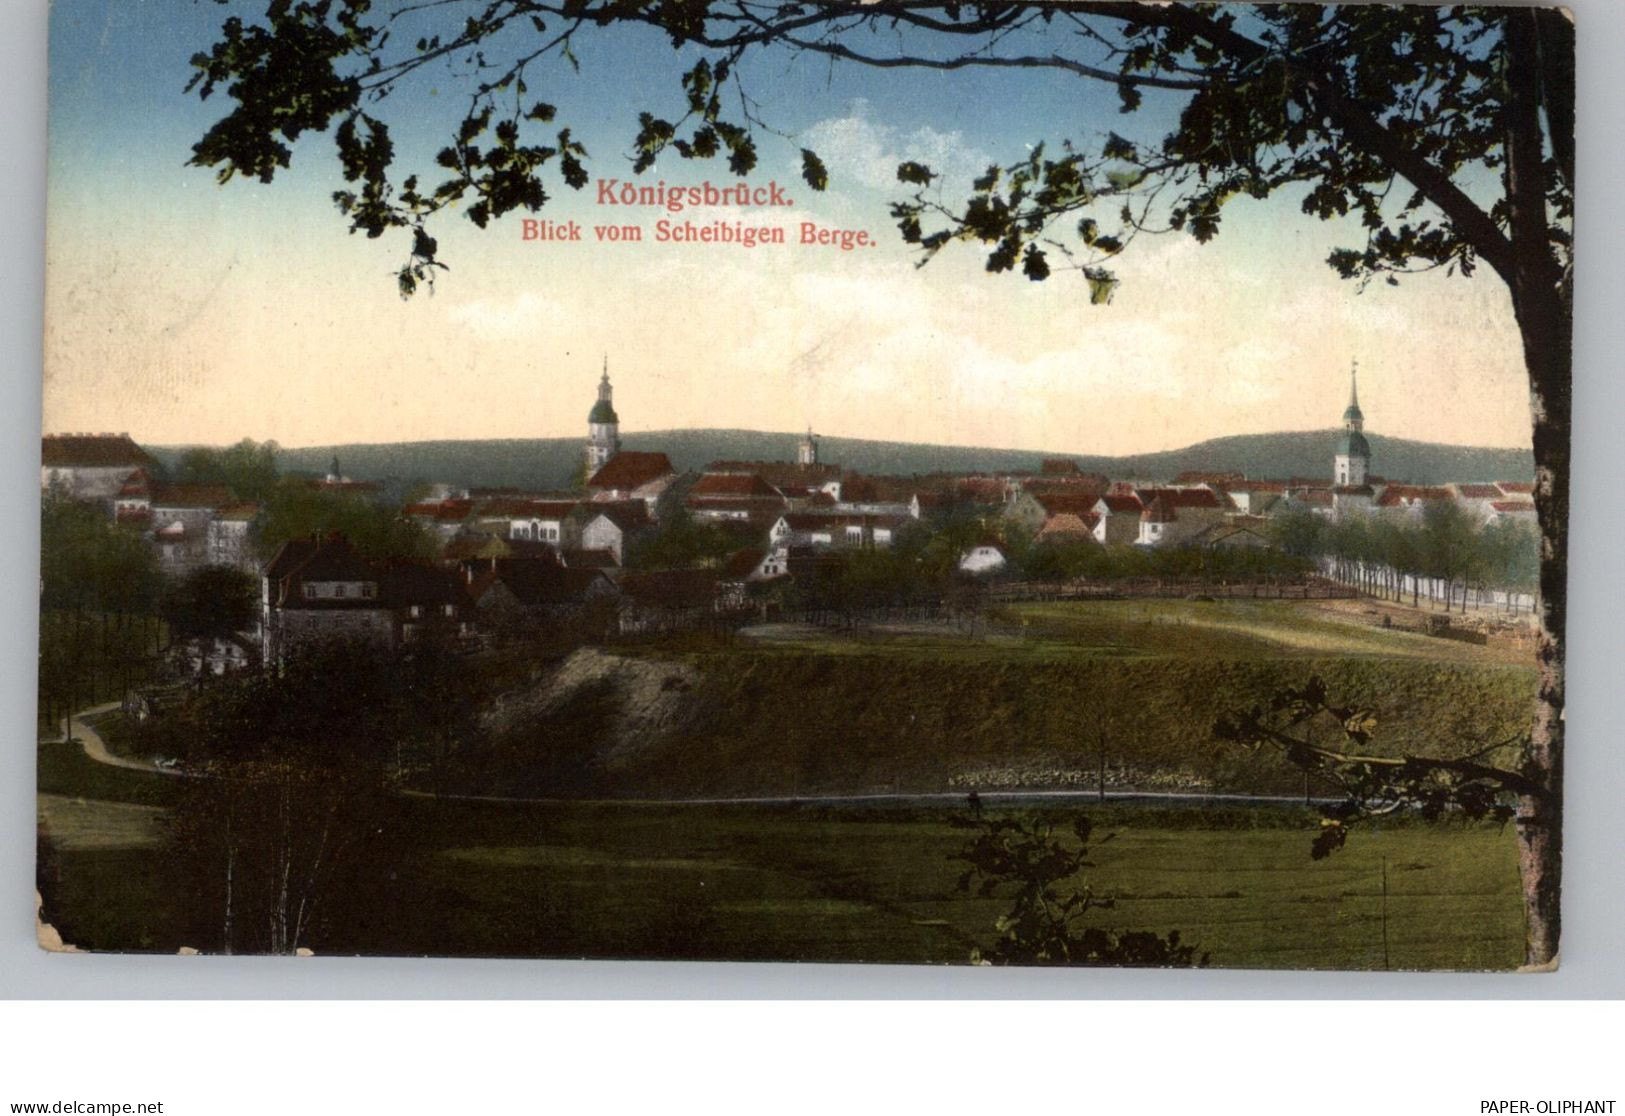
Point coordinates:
[(603, 425), (1352, 460), (1353, 417)]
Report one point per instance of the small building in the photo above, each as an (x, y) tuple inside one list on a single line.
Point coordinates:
[(442, 518), (320, 589), (795, 481), (613, 526), (1117, 518), (1068, 527), (90, 466), (316, 590), (527, 594), (741, 497), (545, 521), (632, 475), (181, 518), (227, 536), (1174, 515)]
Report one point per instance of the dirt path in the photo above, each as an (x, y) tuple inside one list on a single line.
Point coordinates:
[(96, 748)]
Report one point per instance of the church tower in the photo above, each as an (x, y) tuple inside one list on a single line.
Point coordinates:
[(603, 426), (807, 450), (1353, 459)]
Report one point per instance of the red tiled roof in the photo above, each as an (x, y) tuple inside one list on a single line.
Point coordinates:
[(1160, 509), (1184, 497), (1128, 505), (1077, 503), (92, 451), (1514, 506), (631, 469), (136, 484), (445, 511), (1068, 523), (526, 507), (1516, 488), (1478, 491), (732, 485), (239, 513), (979, 490)]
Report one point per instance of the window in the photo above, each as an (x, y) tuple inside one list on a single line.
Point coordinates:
[(310, 592), (338, 590), (415, 611), (369, 590), (451, 610)]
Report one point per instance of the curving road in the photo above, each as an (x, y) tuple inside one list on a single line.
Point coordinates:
[(96, 748)]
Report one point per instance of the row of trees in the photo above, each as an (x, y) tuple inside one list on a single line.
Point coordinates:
[(1445, 547), (100, 608)]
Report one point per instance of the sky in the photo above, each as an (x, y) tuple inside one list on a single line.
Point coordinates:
[(182, 311)]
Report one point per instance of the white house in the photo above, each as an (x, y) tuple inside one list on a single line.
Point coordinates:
[(986, 557)]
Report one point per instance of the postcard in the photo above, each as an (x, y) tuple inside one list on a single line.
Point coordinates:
[(910, 483)]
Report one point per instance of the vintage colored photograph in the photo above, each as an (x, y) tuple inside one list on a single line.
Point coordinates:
[(913, 483)]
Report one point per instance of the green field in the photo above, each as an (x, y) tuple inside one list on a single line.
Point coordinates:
[(804, 711), (802, 883)]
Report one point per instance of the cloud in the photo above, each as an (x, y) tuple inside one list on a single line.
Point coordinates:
[(858, 148)]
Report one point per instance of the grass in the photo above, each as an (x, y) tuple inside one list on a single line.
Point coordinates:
[(64, 769), (909, 710), (1136, 629), (871, 885)]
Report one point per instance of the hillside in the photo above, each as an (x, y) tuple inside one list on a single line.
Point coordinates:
[(758, 720), (550, 462)]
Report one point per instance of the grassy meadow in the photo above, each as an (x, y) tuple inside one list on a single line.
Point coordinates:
[(572, 879), (791, 710)]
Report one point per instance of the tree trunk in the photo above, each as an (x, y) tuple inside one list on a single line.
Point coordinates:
[(1540, 301)]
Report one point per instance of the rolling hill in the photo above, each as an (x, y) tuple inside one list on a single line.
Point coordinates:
[(540, 463)]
